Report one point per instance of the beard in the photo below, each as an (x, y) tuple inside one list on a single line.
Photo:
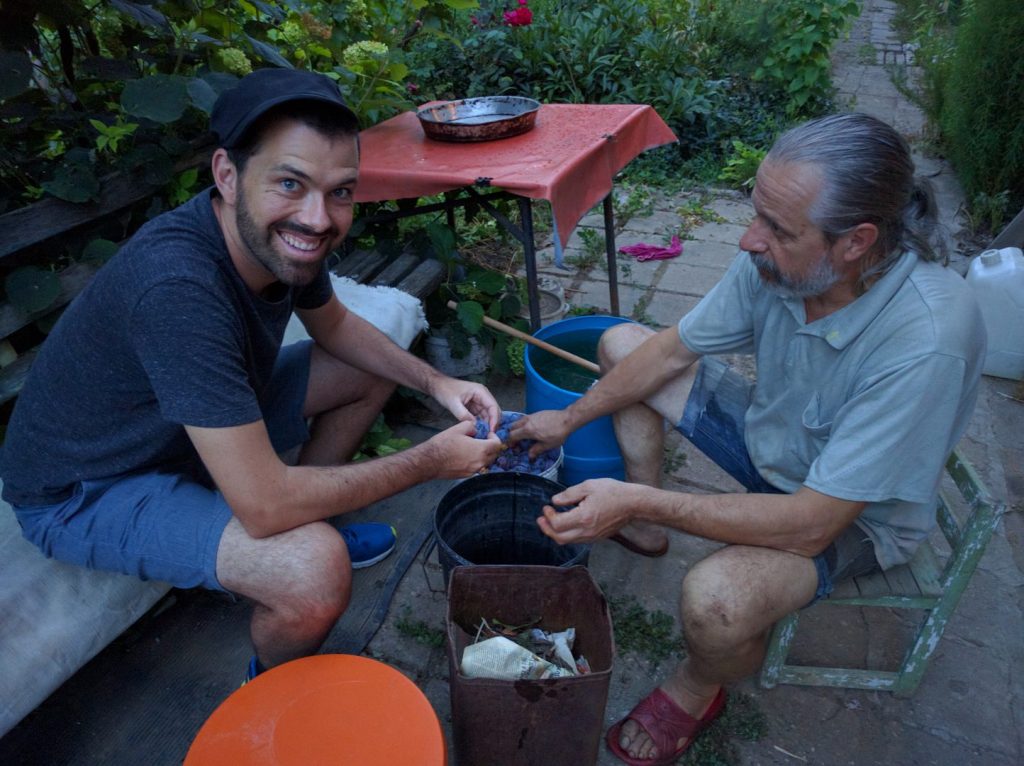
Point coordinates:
[(260, 240), (821, 279)]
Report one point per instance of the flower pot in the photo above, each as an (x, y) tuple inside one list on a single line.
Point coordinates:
[(439, 353)]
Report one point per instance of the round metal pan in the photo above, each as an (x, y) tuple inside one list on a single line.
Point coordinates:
[(479, 119)]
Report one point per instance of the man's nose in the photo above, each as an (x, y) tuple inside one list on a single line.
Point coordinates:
[(753, 239), (314, 213)]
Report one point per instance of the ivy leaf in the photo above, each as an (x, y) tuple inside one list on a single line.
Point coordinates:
[(32, 289), (471, 316), (74, 182), (201, 94), (268, 53), (15, 73), (99, 251), (487, 281), (146, 15), (159, 97)]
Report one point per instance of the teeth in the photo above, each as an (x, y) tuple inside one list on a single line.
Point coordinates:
[(298, 243)]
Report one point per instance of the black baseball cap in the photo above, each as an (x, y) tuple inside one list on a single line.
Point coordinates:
[(242, 104)]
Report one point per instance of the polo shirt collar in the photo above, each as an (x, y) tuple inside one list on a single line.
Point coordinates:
[(842, 327)]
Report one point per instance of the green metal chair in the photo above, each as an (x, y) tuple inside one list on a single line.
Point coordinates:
[(924, 583)]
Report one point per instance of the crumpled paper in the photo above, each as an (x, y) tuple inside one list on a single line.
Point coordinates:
[(646, 252)]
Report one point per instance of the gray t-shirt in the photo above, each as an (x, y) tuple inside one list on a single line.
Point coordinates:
[(864, 404), (167, 334)]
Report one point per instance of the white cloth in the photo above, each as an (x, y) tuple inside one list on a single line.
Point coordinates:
[(397, 314)]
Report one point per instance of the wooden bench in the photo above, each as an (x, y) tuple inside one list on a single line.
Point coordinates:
[(58, 616), (931, 582)]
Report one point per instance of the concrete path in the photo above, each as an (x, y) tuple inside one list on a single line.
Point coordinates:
[(968, 709)]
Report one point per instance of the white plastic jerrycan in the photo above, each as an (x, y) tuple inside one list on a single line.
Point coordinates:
[(997, 277)]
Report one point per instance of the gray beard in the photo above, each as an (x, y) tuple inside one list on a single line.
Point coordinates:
[(818, 282)]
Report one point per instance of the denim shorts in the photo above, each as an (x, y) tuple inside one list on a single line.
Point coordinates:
[(164, 524), (713, 420)]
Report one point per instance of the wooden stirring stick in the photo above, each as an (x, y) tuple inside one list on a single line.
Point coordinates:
[(559, 352)]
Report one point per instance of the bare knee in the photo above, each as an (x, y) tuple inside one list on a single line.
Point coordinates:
[(715, 610), (618, 341), (306, 576), (320, 577)]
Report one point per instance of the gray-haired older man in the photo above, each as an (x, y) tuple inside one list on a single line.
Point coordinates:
[(868, 360)]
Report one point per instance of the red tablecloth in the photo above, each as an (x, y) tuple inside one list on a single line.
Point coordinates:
[(570, 158)]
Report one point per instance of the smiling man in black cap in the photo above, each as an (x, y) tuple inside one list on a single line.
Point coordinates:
[(147, 437)]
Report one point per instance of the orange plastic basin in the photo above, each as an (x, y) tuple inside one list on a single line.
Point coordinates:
[(327, 709)]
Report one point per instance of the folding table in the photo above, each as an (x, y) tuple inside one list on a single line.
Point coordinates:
[(569, 158)]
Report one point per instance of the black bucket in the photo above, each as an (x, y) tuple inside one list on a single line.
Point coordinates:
[(492, 519)]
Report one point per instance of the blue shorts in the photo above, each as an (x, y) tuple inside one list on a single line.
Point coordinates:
[(713, 420), (164, 524)]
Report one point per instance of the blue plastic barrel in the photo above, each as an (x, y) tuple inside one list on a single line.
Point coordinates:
[(591, 452)]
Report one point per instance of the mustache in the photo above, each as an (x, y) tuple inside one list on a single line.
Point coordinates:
[(306, 231)]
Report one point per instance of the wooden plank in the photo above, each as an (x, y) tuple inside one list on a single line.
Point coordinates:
[(72, 281), (947, 521), (850, 679), (397, 270), (927, 570), (34, 224), (424, 279), (901, 581)]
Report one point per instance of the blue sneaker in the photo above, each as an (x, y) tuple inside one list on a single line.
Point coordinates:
[(368, 542)]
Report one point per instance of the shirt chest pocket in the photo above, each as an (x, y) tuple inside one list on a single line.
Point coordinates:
[(812, 435), (816, 418)]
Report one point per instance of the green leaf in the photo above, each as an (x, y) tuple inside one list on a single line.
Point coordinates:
[(201, 94), (32, 289), (442, 239), (471, 316), (74, 182), (99, 251), (145, 15), (462, 5), (15, 73), (268, 53), (488, 281), (159, 97)]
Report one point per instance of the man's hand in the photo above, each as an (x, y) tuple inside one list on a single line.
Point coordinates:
[(550, 429), (466, 400), (459, 454), (602, 508)]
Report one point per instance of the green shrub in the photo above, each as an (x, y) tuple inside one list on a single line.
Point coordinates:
[(982, 109), (799, 36)]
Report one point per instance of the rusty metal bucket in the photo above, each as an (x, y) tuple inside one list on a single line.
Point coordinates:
[(555, 722)]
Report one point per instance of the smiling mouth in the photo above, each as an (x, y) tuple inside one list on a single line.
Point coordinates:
[(302, 244)]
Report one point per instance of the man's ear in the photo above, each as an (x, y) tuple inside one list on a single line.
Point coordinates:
[(225, 176), (859, 241)]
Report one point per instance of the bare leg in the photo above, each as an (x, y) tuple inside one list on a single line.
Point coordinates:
[(344, 402), (640, 428), (729, 602), (300, 580)]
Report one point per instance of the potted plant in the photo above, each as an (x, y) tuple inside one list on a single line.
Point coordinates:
[(458, 338)]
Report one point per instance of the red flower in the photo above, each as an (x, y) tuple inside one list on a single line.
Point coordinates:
[(520, 17)]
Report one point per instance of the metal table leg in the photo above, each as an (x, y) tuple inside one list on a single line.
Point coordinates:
[(609, 245)]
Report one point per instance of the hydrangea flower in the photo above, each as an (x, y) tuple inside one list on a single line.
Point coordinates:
[(235, 61), (362, 52)]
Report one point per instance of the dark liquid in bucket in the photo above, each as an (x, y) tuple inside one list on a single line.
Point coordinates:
[(561, 372)]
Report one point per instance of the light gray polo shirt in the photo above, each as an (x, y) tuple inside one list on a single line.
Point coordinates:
[(864, 404)]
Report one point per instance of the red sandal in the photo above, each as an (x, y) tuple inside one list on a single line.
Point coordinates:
[(665, 723)]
